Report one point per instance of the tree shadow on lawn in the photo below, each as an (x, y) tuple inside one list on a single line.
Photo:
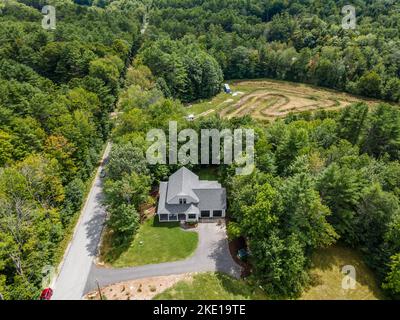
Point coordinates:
[(211, 173), (234, 286), (240, 288), (112, 248), (169, 225)]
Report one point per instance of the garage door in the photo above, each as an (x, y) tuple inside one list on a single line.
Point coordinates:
[(217, 213), (205, 214)]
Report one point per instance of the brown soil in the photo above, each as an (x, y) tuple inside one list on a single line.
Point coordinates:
[(270, 100), (234, 247), (146, 212), (142, 289)]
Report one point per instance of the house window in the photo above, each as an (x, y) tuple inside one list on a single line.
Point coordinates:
[(182, 201), (217, 213), (205, 214), (192, 216), (173, 217), (163, 217)]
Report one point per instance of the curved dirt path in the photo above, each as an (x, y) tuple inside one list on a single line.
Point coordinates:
[(269, 100)]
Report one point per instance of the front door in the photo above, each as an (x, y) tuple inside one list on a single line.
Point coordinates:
[(182, 217)]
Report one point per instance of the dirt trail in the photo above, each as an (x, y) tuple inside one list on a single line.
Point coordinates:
[(270, 100)]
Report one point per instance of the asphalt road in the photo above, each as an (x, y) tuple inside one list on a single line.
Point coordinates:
[(79, 275), (78, 259), (212, 254)]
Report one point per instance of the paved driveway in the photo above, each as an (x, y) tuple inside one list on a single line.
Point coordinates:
[(212, 254)]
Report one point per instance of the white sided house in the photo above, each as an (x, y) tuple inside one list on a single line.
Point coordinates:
[(186, 198)]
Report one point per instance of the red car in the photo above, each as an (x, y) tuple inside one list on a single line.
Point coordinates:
[(46, 294)]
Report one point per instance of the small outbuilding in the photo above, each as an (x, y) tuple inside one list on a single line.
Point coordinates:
[(227, 88)]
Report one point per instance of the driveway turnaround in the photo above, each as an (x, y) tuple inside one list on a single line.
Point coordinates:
[(78, 259), (211, 255)]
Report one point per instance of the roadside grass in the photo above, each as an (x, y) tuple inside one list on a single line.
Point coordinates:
[(326, 273), (212, 286), (154, 243)]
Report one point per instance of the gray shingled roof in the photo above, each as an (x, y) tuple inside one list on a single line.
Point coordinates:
[(211, 199), (165, 208), (181, 184), (210, 194)]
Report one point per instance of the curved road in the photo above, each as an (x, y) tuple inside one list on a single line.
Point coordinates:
[(212, 254), (78, 273)]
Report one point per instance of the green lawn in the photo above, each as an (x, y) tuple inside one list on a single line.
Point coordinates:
[(208, 173), (215, 103), (154, 243), (220, 101), (325, 272), (327, 276), (211, 286)]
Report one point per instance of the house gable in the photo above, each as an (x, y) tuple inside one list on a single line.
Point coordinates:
[(184, 196), (180, 186)]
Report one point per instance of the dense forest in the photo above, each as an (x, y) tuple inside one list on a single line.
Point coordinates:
[(321, 178), (57, 89), (284, 39)]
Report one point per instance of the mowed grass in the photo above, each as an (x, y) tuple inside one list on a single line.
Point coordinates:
[(154, 243), (327, 275), (222, 100), (211, 286), (217, 103)]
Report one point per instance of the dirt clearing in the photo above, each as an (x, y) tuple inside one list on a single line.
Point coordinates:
[(142, 289), (268, 100), (271, 99)]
